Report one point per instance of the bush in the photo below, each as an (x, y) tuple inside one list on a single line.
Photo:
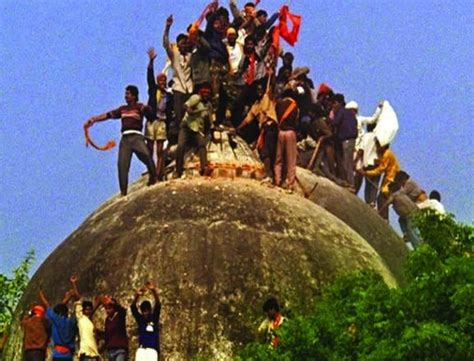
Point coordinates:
[(358, 317), (11, 290)]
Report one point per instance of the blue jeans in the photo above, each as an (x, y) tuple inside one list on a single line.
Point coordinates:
[(119, 354), (411, 232)]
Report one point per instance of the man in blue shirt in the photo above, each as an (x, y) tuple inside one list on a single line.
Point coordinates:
[(148, 321), (63, 327)]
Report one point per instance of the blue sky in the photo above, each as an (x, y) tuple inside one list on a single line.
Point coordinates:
[(63, 61)]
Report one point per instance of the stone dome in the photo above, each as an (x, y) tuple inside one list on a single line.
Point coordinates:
[(216, 250)]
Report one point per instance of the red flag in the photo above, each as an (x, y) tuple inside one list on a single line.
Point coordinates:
[(291, 37)]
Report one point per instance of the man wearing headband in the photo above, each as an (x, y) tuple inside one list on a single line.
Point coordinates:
[(195, 126), (36, 330), (159, 99)]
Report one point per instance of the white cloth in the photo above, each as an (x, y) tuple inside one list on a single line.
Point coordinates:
[(432, 204), (146, 354), (387, 124), (362, 121), (367, 144), (88, 344), (236, 52)]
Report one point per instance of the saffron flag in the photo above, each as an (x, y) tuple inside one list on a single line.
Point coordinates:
[(110, 144), (291, 37)]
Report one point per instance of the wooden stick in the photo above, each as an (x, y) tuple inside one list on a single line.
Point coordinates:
[(315, 153)]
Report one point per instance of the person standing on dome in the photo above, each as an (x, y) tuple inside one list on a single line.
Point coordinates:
[(133, 141)]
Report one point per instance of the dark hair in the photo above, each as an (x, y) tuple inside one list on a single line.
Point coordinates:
[(271, 304), (339, 98), (222, 11), (134, 90), (262, 13), (434, 194), (251, 4), (61, 309), (393, 187), (289, 55), (249, 38), (87, 304), (145, 306), (401, 177), (181, 37)]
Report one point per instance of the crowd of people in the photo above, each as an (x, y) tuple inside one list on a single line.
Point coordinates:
[(75, 335), (228, 76), (44, 322)]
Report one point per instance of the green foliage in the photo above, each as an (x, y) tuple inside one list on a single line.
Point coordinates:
[(11, 289), (358, 317)]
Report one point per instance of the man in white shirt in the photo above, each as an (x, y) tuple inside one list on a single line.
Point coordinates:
[(84, 310), (366, 152), (434, 203), (181, 63)]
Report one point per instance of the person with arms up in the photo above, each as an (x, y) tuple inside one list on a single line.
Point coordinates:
[(160, 100), (84, 311), (63, 327), (148, 321), (181, 64)]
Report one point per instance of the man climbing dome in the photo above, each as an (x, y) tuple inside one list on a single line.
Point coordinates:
[(389, 167), (132, 140)]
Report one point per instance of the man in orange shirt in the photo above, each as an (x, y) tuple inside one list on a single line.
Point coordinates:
[(388, 166)]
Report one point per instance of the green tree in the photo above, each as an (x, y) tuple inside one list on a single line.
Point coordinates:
[(12, 288), (358, 317)]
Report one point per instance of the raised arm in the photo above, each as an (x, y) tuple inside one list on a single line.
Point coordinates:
[(166, 37), (43, 298), (150, 74), (154, 291), (133, 307), (73, 280), (68, 295), (235, 11)]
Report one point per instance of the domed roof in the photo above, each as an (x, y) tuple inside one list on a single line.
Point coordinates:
[(216, 250)]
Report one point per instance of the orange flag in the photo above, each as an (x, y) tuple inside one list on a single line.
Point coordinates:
[(110, 144)]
